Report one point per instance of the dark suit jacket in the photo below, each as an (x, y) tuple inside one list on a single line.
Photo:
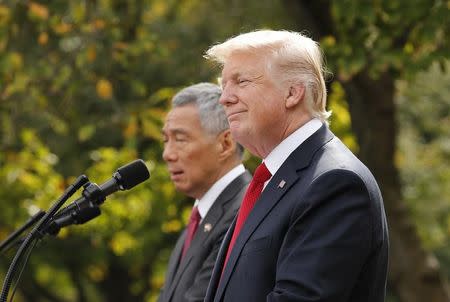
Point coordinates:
[(187, 280), (322, 236)]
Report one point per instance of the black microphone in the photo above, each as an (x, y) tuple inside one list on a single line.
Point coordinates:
[(87, 207)]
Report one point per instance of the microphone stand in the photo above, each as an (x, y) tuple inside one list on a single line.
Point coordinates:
[(78, 212), (36, 233), (4, 246)]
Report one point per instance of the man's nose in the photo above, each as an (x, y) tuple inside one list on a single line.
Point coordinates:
[(228, 97), (169, 152)]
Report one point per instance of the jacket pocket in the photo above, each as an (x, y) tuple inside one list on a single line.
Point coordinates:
[(257, 245)]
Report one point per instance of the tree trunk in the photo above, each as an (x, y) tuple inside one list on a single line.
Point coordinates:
[(413, 274), (116, 286)]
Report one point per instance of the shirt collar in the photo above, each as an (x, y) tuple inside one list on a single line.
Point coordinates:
[(281, 152), (206, 202)]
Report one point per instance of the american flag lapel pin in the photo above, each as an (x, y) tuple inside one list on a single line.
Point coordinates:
[(207, 227), (281, 184)]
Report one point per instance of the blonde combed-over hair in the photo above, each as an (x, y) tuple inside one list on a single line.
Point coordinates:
[(292, 58)]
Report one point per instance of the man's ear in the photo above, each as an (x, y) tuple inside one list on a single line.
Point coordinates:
[(227, 144), (295, 95)]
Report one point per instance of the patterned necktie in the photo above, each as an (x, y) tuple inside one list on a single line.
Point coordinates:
[(194, 220), (255, 188)]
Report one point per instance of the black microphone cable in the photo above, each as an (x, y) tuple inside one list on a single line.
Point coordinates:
[(25, 261)]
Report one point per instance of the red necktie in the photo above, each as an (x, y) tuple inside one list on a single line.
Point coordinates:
[(191, 228), (255, 188)]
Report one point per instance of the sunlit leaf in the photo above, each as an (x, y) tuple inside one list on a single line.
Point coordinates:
[(43, 38), (104, 89), (122, 242), (38, 10)]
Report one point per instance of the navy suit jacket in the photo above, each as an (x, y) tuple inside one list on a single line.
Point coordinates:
[(320, 236), (187, 280)]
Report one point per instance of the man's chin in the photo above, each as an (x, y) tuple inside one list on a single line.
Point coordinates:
[(181, 188), (236, 131), (240, 135)]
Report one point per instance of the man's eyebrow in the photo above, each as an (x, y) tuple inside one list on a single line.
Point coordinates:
[(238, 74), (174, 131), (233, 76), (257, 76)]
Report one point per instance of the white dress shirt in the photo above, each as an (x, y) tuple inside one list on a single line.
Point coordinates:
[(281, 152), (206, 202)]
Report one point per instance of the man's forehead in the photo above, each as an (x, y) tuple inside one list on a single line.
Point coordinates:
[(181, 119), (182, 112), (167, 129), (176, 125), (243, 63)]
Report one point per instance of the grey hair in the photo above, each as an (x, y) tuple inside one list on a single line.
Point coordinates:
[(294, 57), (206, 97)]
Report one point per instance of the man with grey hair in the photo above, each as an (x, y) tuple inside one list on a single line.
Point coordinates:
[(204, 163), (312, 225)]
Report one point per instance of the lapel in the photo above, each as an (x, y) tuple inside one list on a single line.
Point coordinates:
[(206, 227), (289, 173), (217, 271), (175, 259)]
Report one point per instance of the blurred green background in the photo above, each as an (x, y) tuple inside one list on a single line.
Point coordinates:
[(85, 85)]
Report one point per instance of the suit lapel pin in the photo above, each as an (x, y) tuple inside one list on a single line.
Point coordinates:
[(207, 227), (281, 184)]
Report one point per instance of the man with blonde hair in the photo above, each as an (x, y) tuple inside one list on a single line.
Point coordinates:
[(312, 225)]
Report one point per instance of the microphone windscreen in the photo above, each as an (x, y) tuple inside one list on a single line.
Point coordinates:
[(133, 174)]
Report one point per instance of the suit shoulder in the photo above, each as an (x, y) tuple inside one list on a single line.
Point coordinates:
[(235, 191), (228, 202), (336, 156)]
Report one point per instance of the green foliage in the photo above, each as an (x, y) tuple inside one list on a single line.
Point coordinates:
[(27, 175), (340, 121), (84, 87), (386, 36), (424, 153)]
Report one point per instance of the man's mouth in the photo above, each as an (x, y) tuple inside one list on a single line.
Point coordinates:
[(174, 174), (234, 114)]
